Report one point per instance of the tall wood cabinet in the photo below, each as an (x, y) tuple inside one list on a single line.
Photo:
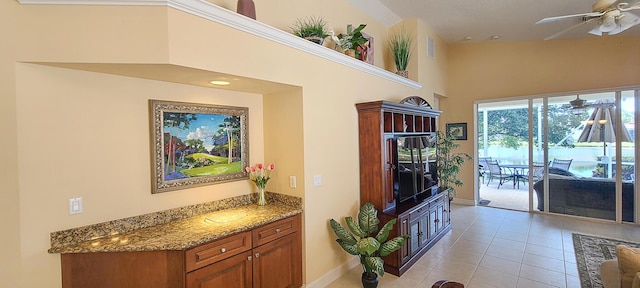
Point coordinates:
[(426, 220)]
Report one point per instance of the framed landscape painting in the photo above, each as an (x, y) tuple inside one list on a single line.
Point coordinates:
[(196, 144)]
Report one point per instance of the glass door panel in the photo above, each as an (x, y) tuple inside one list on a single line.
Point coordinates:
[(503, 153)]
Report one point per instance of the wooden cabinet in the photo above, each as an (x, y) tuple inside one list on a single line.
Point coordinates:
[(424, 220), (269, 256)]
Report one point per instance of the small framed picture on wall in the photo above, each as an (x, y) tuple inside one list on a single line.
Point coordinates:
[(458, 130)]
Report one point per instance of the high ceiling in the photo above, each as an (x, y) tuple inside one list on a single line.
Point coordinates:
[(511, 20)]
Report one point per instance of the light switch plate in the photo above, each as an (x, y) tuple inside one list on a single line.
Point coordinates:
[(292, 182), (75, 206), (317, 180)]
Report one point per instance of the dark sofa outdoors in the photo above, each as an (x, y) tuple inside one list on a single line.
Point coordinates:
[(585, 196)]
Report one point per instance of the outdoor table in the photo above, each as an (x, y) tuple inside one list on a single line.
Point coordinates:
[(517, 173)]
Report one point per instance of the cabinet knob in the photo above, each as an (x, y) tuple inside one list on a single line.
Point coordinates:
[(223, 250), (257, 255), (437, 220), (249, 258), (404, 221), (278, 230)]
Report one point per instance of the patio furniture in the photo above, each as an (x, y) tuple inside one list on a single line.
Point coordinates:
[(560, 163), (495, 171), (537, 171), (585, 196), (517, 173), (483, 166)]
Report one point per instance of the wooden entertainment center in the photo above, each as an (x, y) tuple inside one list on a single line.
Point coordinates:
[(424, 219)]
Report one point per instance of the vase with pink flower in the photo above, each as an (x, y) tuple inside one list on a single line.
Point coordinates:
[(260, 175)]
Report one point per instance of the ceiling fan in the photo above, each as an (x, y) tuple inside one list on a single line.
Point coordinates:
[(612, 17)]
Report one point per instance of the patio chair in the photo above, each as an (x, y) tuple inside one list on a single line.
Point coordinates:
[(497, 172), (483, 166), (537, 171), (562, 164)]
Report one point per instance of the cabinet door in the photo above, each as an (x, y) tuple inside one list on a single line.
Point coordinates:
[(415, 233), (446, 212), (234, 272), (405, 251), (439, 215), (426, 222), (277, 264)]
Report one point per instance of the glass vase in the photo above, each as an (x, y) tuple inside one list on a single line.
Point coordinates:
[(261, 198)]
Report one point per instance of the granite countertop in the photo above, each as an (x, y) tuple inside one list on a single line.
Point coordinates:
[(184, 233)]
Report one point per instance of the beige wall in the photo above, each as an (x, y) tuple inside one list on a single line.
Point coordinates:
[(10, 256), (73, 133), (497, 70)]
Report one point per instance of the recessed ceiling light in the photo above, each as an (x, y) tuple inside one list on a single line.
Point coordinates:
[(219, 82), (467, 38), (495, 37)]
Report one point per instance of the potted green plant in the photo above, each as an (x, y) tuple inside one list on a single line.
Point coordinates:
[(449, 161), (311, 28), (367, 242), (401, 50), (352, 40)]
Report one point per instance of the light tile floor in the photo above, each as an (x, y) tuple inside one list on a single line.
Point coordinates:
[(490, 247)]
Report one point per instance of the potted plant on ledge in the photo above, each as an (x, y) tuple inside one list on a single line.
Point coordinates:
[(449, 162), (353, 42), (311, 28), (401, 49), (371, 244)]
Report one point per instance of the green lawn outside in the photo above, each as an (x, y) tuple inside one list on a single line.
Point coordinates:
[(217, 169)]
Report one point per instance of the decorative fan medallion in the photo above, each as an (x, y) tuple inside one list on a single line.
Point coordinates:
[(416, 101)]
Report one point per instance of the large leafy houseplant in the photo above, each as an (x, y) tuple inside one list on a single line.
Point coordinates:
[(367, 242), (353, 40), (449, 161)]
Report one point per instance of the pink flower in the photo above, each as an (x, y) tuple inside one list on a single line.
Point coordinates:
[(253, 169), (272, 166), (247, 169), (259, 166)]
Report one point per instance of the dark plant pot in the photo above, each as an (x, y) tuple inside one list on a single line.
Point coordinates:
[(316, 40), (369, 280)]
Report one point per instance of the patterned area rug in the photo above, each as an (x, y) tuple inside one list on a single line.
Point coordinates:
[(590, 252)]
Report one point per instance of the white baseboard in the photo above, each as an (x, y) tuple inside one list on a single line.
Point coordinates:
[(334, 274)]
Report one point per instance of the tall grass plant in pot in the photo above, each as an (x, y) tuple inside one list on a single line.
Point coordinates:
[(401, 44), (311, 28)]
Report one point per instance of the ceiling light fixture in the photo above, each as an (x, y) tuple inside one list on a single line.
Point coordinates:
[(220, 82), (609, 22), (495, 37)]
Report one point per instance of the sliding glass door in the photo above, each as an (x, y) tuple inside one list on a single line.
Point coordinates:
[(572, 154)]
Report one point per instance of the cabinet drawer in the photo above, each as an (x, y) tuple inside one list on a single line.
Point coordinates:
[(206, 254), (275, 230), (416, 214)]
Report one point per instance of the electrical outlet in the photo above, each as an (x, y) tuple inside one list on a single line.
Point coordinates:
[(292, 181), (75, 206)]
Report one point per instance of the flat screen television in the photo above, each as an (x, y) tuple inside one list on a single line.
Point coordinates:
[(415, 175)]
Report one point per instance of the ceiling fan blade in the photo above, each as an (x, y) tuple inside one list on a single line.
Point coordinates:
[(565, 30), (551, 19)]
